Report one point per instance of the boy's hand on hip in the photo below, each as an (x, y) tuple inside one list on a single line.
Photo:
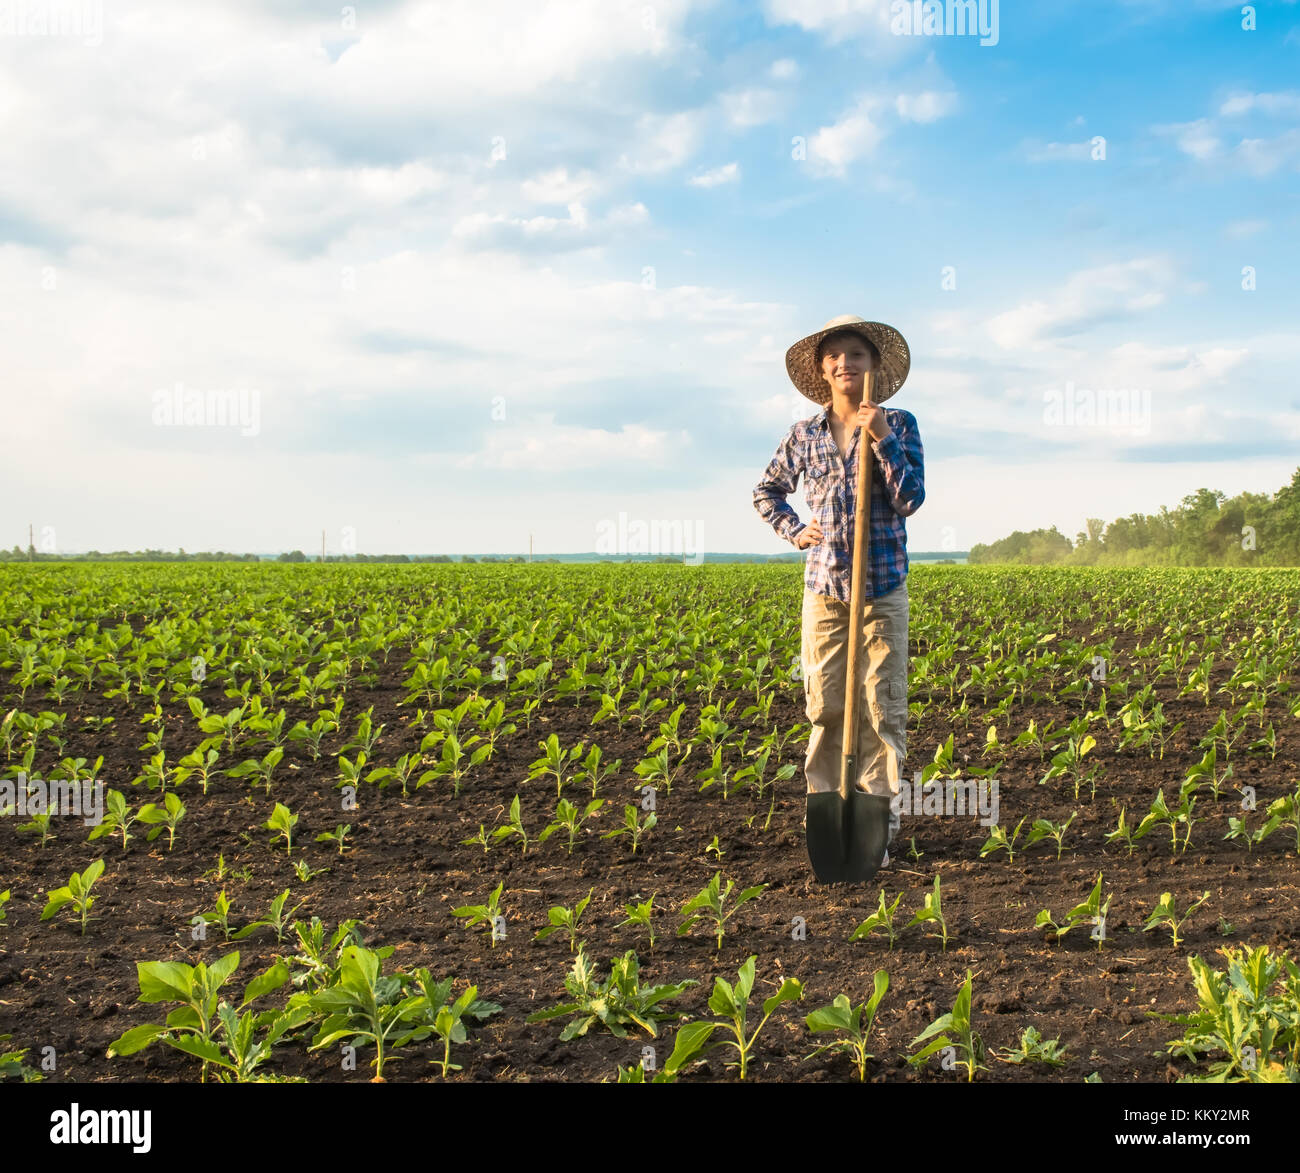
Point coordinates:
[(810, 535)]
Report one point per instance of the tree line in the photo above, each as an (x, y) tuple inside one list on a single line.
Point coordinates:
[(1208, 528)]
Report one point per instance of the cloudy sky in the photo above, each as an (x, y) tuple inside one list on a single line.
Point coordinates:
[(471, 270)]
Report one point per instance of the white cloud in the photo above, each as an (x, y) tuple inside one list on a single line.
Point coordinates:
[(727, 173), (558, 187), (663, 141), (784, 69), (1088, 297), (1285, 103), (1054, 152), (545, 446), (837, 20), (855, 135), (927, 106), (1242, 229), (752, 107)]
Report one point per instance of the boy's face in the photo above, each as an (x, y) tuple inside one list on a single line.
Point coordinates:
[(846, 359)]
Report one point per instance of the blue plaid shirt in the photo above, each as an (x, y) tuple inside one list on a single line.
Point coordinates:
[(831, 482)]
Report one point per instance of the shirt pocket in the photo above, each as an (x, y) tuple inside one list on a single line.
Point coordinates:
[(819, 489)]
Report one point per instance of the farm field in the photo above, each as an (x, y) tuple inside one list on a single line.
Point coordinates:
[(502, 749)]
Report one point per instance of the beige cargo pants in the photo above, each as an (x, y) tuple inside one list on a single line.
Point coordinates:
[(882, 684)]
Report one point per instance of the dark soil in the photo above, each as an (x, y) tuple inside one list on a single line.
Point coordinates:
[(406, 869)]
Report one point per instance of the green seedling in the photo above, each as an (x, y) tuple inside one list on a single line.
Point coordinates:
[(1033, 1048), (1090, 912), (568, 819), (855, 1021), (167, 816), (1165, 914), (1046, 829), (262, 769), (637, 1075), (932, 910), (77, 893), (1282, 812), (565, 918), (4, 899), (281, 823), (693, 1039), (708, 903), (401, 770), (1161, 812), (12, 1065), (219, 915), (641, 914), (482, 838), (350, 772), (633, 825), (445, 1017), (555, 761), (1205, 772), (716, 848), (305, 872), (314, 733), (658, 771), (455, 763), (117, 819), (276, 919), (618, 1003), (363, 1005), (488, 914), (883, 917), (999, 841), (1122, 833), (513, 826), (201, 763), (715, 774), (964, 1041), (338, 835), (203, 1025), (1246, 1017), (593, 771), (1069, 763)]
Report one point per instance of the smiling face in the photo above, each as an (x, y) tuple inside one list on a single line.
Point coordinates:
[(845, 358)]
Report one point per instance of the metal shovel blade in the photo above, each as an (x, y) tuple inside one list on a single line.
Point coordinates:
[(847, 836)]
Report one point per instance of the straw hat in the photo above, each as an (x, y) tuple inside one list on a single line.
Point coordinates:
[(895, 359)]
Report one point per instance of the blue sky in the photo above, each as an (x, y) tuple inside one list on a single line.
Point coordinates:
[(485, 270)]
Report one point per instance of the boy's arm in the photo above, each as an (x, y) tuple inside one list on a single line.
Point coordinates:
[(902, 465), (780, 479)]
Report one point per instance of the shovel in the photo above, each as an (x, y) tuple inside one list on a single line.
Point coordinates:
[(847, 830)]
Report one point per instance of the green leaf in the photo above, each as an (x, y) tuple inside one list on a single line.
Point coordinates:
[(136, 1039), (690, 1043)]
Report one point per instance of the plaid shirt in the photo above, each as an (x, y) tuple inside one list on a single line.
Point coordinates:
[(831, 482)]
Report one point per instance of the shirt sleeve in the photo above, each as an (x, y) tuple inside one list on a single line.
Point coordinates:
[(902, 464), (779, 480)]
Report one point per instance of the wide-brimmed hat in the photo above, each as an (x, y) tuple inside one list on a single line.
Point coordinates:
[(895, 359)]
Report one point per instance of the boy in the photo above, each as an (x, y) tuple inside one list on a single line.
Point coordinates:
[(829, 367)]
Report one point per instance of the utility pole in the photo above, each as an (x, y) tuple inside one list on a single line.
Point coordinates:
[(530, 547), (31, 544)]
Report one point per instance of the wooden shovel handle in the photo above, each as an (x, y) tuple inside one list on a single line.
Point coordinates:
[(861, 552)]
